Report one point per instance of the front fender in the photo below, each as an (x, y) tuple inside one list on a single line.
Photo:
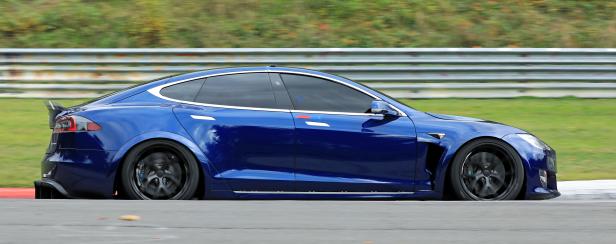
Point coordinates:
[(532, 157)]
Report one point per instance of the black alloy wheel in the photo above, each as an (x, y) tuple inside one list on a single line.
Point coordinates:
[(160, 170), (487, 169)]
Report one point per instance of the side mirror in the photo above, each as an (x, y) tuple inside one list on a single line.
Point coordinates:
[(381, 107)]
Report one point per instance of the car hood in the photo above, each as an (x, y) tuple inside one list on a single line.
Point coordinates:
[(461, 122), (455, 117)]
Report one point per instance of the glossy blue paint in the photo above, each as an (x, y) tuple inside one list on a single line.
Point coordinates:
[(535, 159), (281, 153), (252, 150), (82, 173), (354, 153)]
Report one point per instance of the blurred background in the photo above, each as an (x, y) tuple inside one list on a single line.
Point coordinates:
[(564, 96), (315, 23)]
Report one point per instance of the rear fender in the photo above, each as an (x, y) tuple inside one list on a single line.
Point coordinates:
[(207, 169)]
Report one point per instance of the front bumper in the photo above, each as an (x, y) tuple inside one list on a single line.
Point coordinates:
[(49, 189), (535, 188), (543, 194), (536, 161)]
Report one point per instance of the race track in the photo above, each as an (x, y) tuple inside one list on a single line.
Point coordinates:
[(97, 221)]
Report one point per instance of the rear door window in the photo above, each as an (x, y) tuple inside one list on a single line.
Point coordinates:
[(245, 90)]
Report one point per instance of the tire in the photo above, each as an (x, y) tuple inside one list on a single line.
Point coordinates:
[(487, 169), (161, 170)]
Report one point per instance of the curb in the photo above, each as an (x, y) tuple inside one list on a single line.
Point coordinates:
[(17, 193), (569, 190), (587, 190)]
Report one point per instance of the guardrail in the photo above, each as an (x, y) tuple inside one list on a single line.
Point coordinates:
[(401, 72)]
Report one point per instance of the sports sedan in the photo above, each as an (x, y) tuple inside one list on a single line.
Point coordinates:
[(282, 133)]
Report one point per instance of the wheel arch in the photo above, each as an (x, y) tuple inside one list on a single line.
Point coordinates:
[(206, 169), (446, 187)]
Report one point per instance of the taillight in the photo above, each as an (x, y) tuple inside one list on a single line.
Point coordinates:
[(74, 123)]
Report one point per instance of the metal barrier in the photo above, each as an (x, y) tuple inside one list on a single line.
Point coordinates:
[(401, 72)]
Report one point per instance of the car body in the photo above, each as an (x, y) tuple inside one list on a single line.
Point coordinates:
[(298, 134)]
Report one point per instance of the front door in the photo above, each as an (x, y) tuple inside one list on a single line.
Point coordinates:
[(341, 146)]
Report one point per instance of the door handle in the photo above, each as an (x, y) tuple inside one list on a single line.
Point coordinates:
[(202, 117), (321, 124)]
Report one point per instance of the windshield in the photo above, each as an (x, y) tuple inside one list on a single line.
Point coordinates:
[(390, 97), (379, 92)]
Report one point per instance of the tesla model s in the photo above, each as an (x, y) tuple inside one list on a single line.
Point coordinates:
[(282, 133)]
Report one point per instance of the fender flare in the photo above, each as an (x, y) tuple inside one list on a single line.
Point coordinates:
[(206, 167), (445, 164)]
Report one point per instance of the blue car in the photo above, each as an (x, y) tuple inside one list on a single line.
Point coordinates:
[(282, 133)]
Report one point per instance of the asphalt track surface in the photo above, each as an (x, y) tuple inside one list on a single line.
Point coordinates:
[(365, 222)]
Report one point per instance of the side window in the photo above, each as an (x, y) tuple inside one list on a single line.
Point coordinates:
[(246, 90), (311, 93), (185, 91)]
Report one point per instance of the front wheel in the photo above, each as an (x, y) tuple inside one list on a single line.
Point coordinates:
[(161, 170), (487, 169)]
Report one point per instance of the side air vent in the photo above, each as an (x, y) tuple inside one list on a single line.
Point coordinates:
[(434, 154)]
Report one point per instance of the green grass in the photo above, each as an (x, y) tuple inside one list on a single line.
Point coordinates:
[(314, 23), (583, 131), (24, 136)]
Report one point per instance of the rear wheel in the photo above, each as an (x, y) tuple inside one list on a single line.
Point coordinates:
[(160, 169), (487, 169)]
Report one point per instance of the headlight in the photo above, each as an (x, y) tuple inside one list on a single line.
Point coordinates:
[(534, 141)]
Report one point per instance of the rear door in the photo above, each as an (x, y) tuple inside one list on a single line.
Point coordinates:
[(341, 147), (244, 130)]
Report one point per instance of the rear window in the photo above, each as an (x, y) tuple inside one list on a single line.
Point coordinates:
[(185, 91)]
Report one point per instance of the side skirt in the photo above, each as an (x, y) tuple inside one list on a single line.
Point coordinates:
[(312, 195)]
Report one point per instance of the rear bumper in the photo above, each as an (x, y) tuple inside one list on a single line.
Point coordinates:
[(49, 189), (77, 173)]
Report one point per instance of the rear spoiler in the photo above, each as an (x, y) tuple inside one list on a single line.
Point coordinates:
[(54, 109)]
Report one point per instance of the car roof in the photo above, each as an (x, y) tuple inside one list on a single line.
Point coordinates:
[(188, 76), (247, 69)]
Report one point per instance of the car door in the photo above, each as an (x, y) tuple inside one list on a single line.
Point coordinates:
[(341, 146), (246, 133)]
